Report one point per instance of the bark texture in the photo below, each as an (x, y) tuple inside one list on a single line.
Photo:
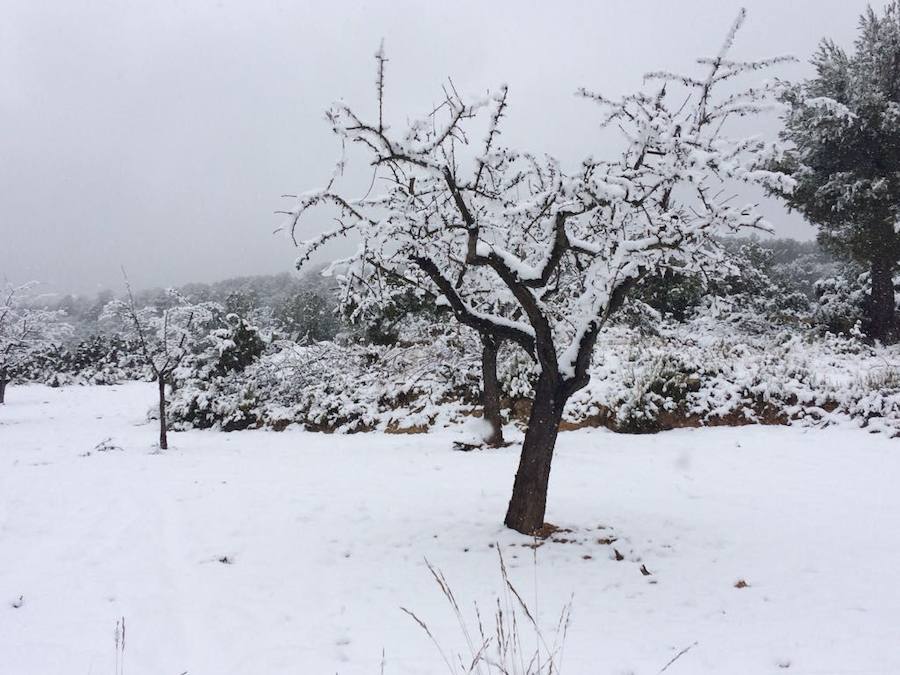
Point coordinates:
[(526, 509), (881, 309), (490, 391)]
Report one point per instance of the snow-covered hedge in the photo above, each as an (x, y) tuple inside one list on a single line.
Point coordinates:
[(330, 387), (98, 360), (707, 371), (697, 374)]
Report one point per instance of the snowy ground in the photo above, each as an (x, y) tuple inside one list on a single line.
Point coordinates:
[(325, 536)]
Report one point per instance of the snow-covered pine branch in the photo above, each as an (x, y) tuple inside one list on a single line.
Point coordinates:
[(842, 129)]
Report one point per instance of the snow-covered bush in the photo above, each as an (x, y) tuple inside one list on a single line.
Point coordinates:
[(753, 284), (24, 331), (841, 299), (230, 348), (209, 386), (331, 387), (708, 371), (98, 360)]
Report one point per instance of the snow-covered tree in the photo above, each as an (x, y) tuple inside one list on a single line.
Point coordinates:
[(165, 336), (307, 315), (530, 254), (24, 330), (233, 346), (842, 298), (844, 126)]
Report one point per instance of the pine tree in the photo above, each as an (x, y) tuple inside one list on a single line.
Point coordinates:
[(844, 128)]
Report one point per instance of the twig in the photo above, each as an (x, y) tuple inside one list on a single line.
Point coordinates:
[(678, 656)]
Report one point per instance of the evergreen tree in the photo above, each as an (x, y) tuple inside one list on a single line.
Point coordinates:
[(309, 315), (844, 128)]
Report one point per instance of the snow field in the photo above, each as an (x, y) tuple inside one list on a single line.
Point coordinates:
[(270, 553)]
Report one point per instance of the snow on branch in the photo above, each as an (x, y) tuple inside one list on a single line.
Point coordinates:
[(25, 326), (505, 236)]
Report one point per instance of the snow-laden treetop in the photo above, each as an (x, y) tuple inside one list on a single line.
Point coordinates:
[(523, 248)]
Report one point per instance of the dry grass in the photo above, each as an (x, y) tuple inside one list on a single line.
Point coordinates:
[(514, 645), (119, 636), (882, 379)]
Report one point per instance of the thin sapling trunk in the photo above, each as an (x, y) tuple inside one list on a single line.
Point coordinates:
[(163, 339), (163, 441)]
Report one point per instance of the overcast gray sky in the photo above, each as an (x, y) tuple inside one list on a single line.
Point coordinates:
[(159, 135)]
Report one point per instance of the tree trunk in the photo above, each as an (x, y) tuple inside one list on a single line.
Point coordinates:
[(881, 310), (163, 441), (490, 392), (3, 383), (529, 498)]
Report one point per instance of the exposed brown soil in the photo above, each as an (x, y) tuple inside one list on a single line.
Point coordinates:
[(548, 530), (395, 428)]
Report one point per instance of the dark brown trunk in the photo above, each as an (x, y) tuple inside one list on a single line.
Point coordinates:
[(163, 441), (529, 498), (490, 392), (3, 382), (881, 307)]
